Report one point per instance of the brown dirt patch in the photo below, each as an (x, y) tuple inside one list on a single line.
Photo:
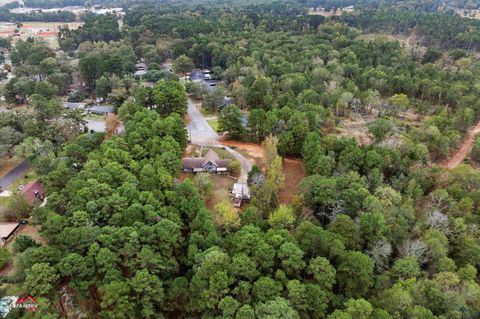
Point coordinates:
[(461, 153), (294, 171), (7, 164), (8, 270), (356, 128), (252, 151), (47, 33)]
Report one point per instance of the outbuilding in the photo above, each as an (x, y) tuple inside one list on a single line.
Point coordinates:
[(7, 230)]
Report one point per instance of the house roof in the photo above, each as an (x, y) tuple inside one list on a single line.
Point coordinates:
[(193, 163), (6, 229), (73, 105), (101, 109), (140, 73), (32, 188), (240, 189), (210, 156)]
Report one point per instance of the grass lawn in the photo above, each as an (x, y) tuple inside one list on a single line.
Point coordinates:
[(214, 124), (95, 117), (199, 151), (206, 113), (30, 175), (221, 188)]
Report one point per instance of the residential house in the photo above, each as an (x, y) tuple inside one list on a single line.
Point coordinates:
[(101, 109), (139, 74), (74, 105), (204, 78), (210, 163)]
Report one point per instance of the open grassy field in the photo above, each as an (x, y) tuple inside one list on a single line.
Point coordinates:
[(44, 31)]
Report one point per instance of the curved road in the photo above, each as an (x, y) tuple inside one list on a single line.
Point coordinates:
[(201, 133), (13, 175)]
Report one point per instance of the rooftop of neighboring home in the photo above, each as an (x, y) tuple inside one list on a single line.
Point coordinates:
[(226, 101), (34, 191), (141, 66), (102, 109), (6, 229), (74, 105), (139, 73)]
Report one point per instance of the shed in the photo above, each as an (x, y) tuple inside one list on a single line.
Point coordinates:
[(6, 231)]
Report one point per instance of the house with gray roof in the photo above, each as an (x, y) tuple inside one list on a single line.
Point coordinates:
[(210, 163), (101, 109)]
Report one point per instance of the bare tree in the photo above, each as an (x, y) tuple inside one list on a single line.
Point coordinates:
[(414, 248), (437, 219), (380, 252)]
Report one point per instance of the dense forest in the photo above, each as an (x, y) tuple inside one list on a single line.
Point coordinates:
[(58, 16), (377, 230)]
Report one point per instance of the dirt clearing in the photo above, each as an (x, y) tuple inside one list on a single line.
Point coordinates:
[(459, 156), (252, 151), (294, 172), (356, 128)]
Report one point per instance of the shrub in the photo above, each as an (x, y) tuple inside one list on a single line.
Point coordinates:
[(234, 167), (4, 257), (22, 242)]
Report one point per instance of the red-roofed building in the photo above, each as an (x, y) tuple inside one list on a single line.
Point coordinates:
[(34, 192)]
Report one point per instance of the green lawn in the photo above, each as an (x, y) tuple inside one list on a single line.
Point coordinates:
[(95, 117), (206, 113), (214, 124)]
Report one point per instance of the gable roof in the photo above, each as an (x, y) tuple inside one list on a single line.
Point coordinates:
[(198, 162), (73, 105), (6, 229), (101, 109), (211, 156)]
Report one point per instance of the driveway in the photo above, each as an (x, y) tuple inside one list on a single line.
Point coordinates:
[(201, 133), (97, 126), (14, 175)]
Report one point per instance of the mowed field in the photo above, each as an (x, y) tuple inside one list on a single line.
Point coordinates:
[(47, 31)]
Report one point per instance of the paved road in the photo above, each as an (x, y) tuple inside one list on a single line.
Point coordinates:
[(201, 133), (14, 175), (97, 126)]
